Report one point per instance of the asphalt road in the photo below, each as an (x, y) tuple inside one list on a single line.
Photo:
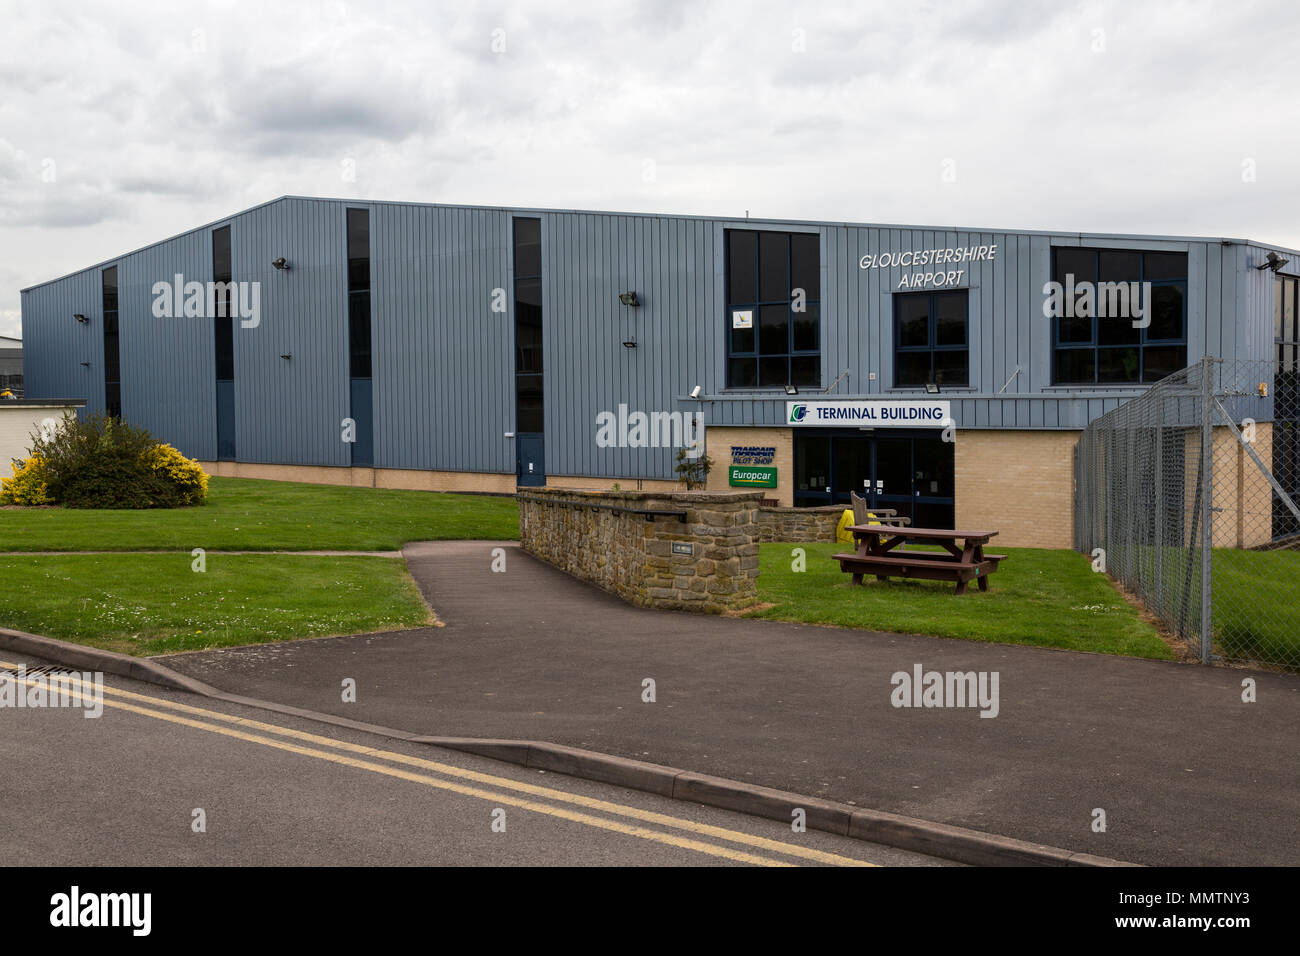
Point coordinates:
[(1186, 773), (122, 790)]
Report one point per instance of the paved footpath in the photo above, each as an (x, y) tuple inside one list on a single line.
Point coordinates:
[(1185, 771)]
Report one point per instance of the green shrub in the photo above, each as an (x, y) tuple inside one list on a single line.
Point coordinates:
[(100, 462)]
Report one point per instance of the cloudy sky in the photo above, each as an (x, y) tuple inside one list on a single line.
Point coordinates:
[(124, 123)]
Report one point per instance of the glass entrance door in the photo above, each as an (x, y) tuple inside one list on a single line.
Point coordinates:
[(892, 474), (910, 472)]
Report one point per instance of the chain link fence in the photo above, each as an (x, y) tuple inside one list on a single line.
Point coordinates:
[(1188, 495)]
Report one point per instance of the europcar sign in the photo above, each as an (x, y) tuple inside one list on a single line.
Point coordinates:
[(886, 414), (751, 476)]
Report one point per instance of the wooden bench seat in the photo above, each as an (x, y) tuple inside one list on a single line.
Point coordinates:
[(939, 555), (927, 565)]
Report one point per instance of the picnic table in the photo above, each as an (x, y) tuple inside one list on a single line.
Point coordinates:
[(879, 552)]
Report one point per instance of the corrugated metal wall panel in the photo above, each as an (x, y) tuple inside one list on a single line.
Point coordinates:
[(168, 355), (444, 361), (55, 344)]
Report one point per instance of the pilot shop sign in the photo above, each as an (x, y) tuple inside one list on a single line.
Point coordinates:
[(919, 414), (931, 267)]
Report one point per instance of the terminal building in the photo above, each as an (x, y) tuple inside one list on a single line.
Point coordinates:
[(944, 372)]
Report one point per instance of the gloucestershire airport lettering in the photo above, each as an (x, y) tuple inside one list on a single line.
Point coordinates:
[(919, 258), (870, 414)]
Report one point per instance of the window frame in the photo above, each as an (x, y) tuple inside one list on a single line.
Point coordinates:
[(1144, 341), (1286, 291), (812, 300), (932, 345)]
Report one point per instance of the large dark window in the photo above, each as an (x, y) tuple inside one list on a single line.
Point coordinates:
[(359, 337), (1286, 311), (529, 406), (223, 336), (112, 355), (773, 309), (931, 338), (1103, 347), (1286, 401)]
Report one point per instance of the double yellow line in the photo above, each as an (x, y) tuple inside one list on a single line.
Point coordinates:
[(506, 792)]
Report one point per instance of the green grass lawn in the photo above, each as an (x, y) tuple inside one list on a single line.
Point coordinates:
[(1256, 613), (250, 514), (145, 604), (148, 604), (1040, 597)]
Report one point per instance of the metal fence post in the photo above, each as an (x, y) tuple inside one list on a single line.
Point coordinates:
[(1207, 509), (1158, 498)]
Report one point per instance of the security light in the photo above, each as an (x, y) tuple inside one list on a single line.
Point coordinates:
[(791, 390), (282, 264), (86, 364), (932, 388), (629, 344), (286, 355), (80, 318), (695, 392), (628, 298), (1273, 261)]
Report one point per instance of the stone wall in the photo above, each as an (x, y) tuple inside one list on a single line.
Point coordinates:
[(799, 524), (606, 538)]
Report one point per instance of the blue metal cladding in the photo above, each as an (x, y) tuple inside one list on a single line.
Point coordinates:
[(443, 359), (442, 314)]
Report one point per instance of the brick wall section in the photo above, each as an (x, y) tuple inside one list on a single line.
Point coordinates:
[(1018, 483), (632, 556), (719, 440), (1242, 494), (799, 524)]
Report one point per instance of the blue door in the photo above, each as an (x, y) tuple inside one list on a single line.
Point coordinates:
[(530, 466)]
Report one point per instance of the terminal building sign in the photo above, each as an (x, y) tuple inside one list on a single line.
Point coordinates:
[(921, 414)]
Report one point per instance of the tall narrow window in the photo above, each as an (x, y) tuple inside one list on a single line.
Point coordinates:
[(359, 348), (530, 408), (528, 326), (1286, 336), (223, 334), (112, 363)]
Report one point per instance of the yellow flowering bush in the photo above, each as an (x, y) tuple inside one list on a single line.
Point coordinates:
[(190, 479), (27, 486)]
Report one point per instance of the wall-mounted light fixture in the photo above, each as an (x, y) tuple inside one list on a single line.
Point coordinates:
[(791, 390), (80, 318), (286, 355), (629, 344), (282, 264), (932, 388), (629, 298), (85, 365), (695, 392), (1273, 261)]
